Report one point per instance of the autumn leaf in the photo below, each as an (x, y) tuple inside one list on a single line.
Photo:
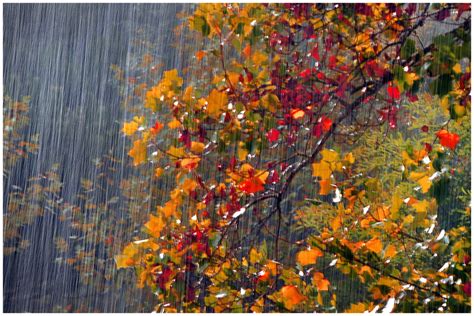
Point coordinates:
[(174, 124), (321, 283), (252, 185), (325, 186), (322, 169), (200, 54), (159, 172), (447, 139), (217, 102), (273, 135), (291, 296), (197, 147), (374, 245), (297, 113), (307, 257), (393, 91), (190, 163), (138, 152), (156, 128), (155, 225), (131, 127)]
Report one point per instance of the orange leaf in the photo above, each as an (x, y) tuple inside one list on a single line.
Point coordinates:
[(247, 51), (252, 185), (320, 281), (138, 152), (307, 257), (155, 226), (200, 54), (297, 113), (324, 187), (291, 296), (448, 139), (190, 163), (374, 245)]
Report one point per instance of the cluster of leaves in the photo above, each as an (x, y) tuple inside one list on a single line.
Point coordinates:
[(15, 121), (290, 88)]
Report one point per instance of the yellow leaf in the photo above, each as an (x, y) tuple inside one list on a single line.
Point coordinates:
[(242, 152), (176, 153), (390, 251), (396, 204), (291, 296), (159, 172), (457, 68), (410, 78), (197, 147), (322, 169), (126, 259), (307, 257), (174, 124), (330, 156), (169, 209), (374, 245), (233, 77), (422, 179), (217, 102), (131, 127), (356, 308), (155, 226), (259, 58), (258, 306), (189, 185), (255, 256), (190, 163), (138, 152), (349, 158), (270, 101)]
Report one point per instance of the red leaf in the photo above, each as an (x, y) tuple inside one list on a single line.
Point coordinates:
[(273, 135), (332, 61), (448, 139), (326, 123), (251, 185), (393, 92), (306, 73), (315, 53), (274, 177)]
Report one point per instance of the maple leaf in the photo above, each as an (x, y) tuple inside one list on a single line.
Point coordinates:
[(448, 139), (129, 128), (156, 128), (138, 152), (273, 135), (252, 185), (155, 225)]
